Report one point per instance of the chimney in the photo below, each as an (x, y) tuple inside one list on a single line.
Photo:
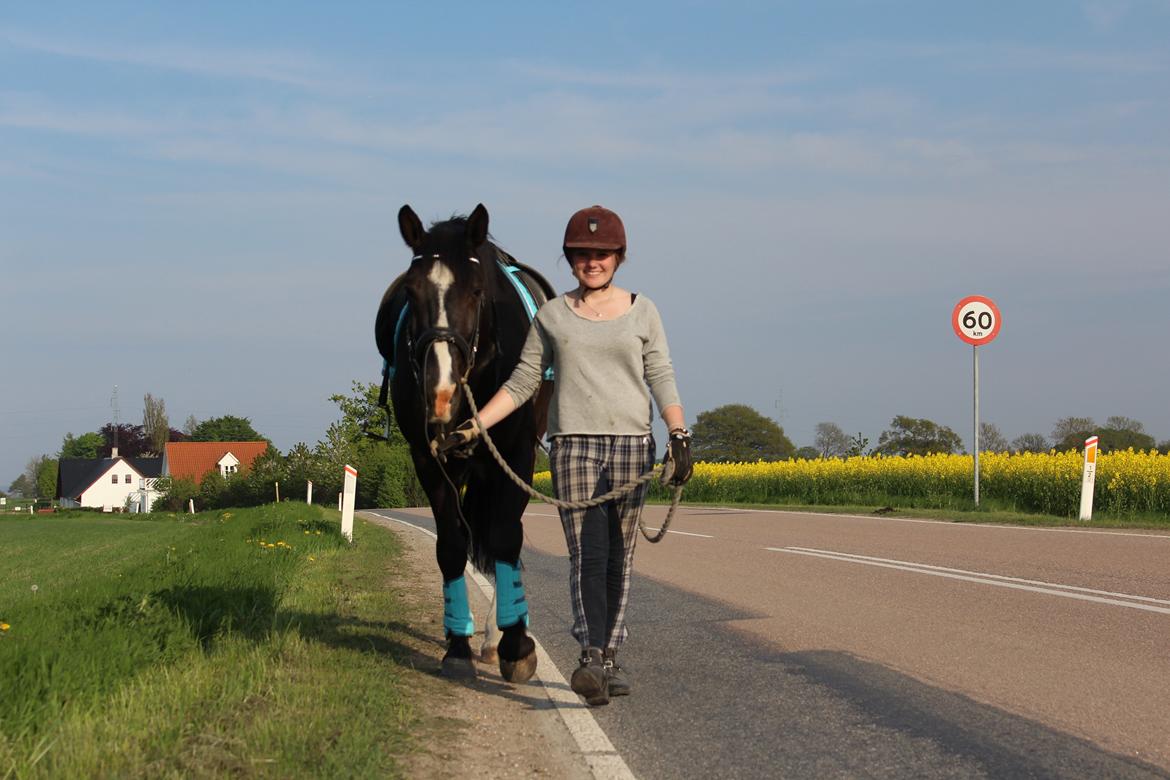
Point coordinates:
[(113, 452)]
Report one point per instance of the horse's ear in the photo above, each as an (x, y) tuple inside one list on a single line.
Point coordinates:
[(477, 227), (411, 227)]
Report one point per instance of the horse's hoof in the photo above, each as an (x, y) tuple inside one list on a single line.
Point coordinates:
[(459, 669), (488, 655), (518, 671)]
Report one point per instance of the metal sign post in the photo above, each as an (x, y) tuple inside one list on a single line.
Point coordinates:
[(976, 320), (975, 425)]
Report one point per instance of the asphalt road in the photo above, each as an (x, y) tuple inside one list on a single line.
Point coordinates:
[(775, 644)]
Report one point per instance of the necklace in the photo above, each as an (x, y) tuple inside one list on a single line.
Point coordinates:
[(585, 303)]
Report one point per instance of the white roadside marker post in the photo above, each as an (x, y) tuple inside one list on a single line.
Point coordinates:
[(1089, 478), (309, 492), (347, 496)]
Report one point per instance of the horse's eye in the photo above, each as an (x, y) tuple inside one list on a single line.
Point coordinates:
[(477, 292)]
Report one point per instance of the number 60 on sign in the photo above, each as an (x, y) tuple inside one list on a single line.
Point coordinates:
[(976, 320)]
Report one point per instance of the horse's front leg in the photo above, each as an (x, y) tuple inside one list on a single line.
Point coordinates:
[(517, 651), (488, 654), (458, 622)]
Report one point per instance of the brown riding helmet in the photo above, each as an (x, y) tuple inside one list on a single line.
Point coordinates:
[(595, 228)]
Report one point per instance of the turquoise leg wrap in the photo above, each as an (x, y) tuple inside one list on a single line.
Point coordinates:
[(511, 605), (456, 611)]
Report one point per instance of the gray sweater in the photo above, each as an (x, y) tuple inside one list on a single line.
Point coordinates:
[(602, 369)]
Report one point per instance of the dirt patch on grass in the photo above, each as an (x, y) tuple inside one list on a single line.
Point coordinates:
[(488, 728)]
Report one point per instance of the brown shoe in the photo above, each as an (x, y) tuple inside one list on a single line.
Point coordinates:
[(589, 678), (619, 681)]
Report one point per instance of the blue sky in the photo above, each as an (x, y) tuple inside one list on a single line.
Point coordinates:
[(198, 200)]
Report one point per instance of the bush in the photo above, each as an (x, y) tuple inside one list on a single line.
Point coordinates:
[(175, 492)]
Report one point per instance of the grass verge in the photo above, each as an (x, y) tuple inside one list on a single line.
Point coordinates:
[(248, 642)]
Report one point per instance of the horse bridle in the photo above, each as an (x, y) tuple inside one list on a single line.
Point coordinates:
[(419, 349)]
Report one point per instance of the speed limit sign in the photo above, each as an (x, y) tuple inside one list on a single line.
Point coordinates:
[(976, 320)]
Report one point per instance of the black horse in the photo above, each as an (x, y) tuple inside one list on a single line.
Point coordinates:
[(461, 313)]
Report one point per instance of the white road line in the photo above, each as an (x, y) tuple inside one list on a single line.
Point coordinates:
[(683, 533), (604, 762), (984, 574), (982, 579)]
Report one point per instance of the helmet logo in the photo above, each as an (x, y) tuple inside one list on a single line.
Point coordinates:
[(593, 224)]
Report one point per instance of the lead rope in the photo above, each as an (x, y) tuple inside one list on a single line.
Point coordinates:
[(588, 503)]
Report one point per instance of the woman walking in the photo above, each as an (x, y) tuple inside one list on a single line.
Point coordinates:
[(608, 350)]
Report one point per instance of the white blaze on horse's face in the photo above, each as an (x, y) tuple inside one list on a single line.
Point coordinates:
[(442, 278)]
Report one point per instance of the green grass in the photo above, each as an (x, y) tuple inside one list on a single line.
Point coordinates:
[(179, 646)]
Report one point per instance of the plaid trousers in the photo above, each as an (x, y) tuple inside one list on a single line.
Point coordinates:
[(601, 539)]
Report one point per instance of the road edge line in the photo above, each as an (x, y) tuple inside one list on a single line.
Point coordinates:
[(601, 757)]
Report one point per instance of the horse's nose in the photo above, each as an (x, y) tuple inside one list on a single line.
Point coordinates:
[(443, 404)]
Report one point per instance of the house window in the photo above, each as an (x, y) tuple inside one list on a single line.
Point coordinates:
[(127, 479), (114, 478)]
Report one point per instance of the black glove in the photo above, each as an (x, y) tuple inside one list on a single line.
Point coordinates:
[(460, 439), (678, 457)]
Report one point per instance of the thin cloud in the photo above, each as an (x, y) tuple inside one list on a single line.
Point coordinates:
[(293, 70), (998, 57)]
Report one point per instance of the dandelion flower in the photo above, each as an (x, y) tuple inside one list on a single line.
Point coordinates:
[(311, 559), (4, 626), (35, 588)]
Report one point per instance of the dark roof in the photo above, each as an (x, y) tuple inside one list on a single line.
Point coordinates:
[(75, 475)]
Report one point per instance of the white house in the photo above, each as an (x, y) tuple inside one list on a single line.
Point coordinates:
[(112, 484)]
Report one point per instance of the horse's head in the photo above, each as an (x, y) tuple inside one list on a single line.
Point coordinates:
[(445, 286)]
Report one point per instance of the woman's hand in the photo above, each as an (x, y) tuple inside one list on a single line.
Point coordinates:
[(678, 457), (461, 437)]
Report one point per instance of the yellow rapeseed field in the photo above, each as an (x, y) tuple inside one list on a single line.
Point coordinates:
[(1127, 482)]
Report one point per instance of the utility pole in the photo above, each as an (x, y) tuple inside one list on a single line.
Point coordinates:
[(117, 415)]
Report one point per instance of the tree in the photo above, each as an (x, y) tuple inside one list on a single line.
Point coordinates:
[(913, 436), (1119, 433), (831, 441), (807, 453), (1119, 423), (857, 446), (737, 433), (191, 424), (387, 473), (22, 487), (155, 423), (129, 439), (226, 428), (47, 478), (991, 439), (1030, 442), (360, 414), (1069, 433), (31, 469), (87, 445), (1115, 440)]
